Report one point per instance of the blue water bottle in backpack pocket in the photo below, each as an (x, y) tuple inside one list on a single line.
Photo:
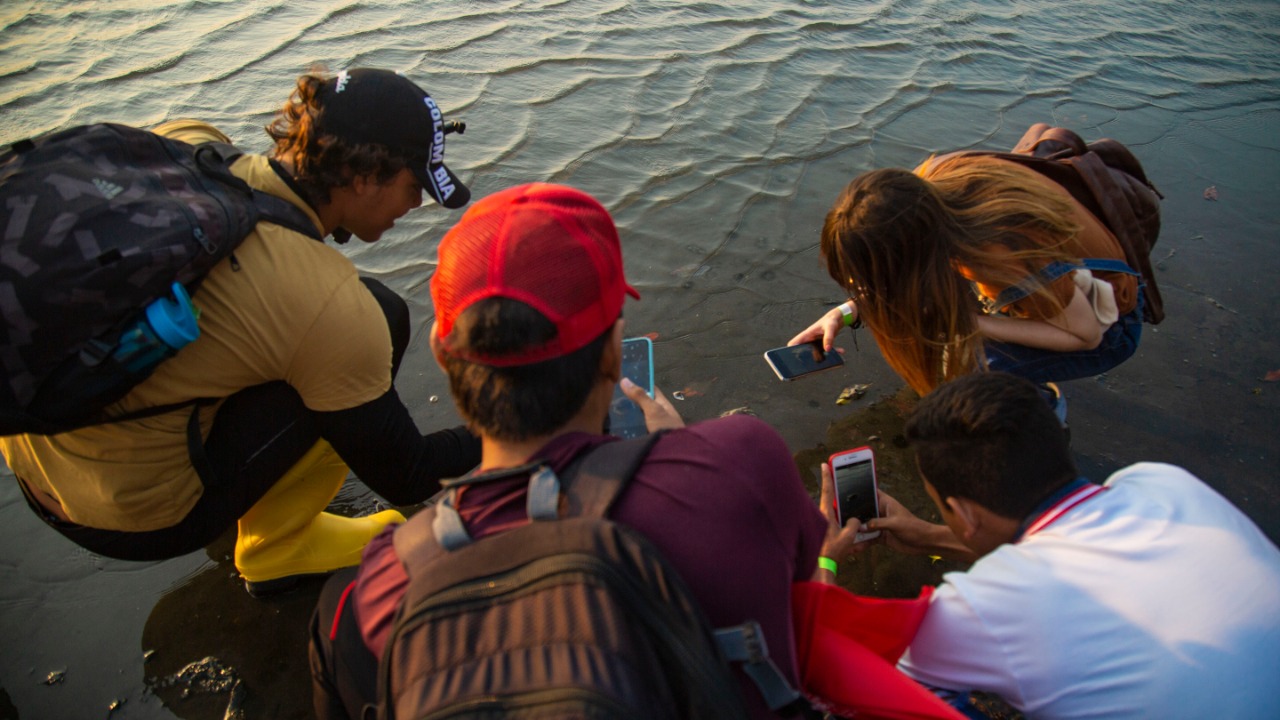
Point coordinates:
[(167, 325)]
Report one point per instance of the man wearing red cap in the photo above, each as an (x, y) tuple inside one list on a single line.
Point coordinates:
[(294, 361), (528, 297)]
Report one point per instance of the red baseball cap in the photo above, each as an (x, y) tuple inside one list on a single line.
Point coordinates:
[(549, 246)]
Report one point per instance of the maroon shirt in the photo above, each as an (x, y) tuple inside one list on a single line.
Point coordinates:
[(721, 499)]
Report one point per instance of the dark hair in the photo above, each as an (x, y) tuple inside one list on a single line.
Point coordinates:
[(525, 401), (991, 437), (320, 161)]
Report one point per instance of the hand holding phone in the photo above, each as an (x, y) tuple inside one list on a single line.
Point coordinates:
[(855, 482), (795, 361), (626, 419)]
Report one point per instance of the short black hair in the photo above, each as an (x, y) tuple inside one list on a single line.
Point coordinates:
[(991, 437), (525, 401)]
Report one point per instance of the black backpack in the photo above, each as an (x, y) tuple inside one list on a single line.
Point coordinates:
[(1108, 180), (570, 615), (98, 222)]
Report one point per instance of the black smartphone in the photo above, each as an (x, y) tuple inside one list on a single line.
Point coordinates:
[(626, 420), (855, 475), (795, 361)]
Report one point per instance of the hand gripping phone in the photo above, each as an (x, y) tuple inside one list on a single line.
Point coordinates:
[(855, 475), (795, 361), (626, 419)]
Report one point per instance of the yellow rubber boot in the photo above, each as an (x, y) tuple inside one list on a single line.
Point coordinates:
[(287, 536)]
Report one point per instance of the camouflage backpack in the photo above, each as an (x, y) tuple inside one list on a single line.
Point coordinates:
[(99, 221)]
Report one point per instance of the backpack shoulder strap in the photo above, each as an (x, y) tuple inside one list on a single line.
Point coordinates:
[(1054, 270), (607, 468), (216, 158), (594, 480)]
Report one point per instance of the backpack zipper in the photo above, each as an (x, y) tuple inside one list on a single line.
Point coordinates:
[(199, 182)]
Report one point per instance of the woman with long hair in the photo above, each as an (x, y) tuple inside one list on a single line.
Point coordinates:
[(928, 259)]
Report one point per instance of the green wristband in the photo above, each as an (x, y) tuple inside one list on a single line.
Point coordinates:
[(829, 565), (846, 309)]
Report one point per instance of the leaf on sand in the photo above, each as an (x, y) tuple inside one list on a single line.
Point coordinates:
[(851, 393)]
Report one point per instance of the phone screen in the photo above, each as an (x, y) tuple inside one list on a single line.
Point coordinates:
[(626, 420), (855, 476), (797, 360)]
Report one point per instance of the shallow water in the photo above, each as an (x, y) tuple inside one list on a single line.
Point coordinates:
[(718, 134)]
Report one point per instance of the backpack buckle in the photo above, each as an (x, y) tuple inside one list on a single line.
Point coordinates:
[(745, 643)]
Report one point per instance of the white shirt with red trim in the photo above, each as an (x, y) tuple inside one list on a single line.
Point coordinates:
[(1154, 598)]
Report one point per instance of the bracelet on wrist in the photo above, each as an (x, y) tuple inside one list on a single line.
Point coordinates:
[(850, 320), (829, 565)]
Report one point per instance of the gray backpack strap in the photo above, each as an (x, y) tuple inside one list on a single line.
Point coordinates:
[(447, 527), (606, 469), (745, 644), (595, 481), (542, 501)]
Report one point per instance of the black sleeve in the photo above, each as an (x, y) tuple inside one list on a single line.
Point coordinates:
[(381, 444)]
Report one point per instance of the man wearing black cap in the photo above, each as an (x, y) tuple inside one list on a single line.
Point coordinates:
[(296, 352)]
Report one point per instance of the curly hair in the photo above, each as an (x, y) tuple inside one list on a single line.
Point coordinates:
[(902, 243), (322, 162)]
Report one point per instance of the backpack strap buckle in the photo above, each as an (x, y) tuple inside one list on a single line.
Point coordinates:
[(745, 644), (447, 524), (543, 498)]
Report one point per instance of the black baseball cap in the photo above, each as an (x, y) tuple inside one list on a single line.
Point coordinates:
[(381, 107)]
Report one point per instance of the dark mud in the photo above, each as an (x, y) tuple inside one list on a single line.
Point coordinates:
[(880, 571), (216, 652)]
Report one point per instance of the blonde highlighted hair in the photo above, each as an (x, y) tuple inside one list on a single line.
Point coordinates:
[(897, 241)]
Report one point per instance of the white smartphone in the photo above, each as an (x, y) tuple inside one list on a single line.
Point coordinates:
[(626, 420), (855, 475), (795, 361)]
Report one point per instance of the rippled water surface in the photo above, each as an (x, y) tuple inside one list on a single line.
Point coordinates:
[(718, 134)]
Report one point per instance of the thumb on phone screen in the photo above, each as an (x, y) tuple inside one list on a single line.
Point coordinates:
[(659, 413)]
